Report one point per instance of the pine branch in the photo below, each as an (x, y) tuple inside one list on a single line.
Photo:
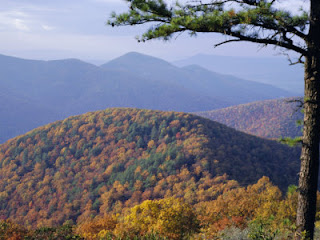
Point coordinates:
[(243, 25), (267, 41)]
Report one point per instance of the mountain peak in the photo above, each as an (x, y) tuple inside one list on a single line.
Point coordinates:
[(71, 62), (195, 67), (133, 60)]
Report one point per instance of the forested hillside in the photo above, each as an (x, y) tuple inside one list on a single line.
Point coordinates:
[(107, 161), (258, 211), (269, 118)]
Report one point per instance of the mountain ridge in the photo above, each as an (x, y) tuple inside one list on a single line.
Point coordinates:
[(269, 118), (70, 87), (271, 70)]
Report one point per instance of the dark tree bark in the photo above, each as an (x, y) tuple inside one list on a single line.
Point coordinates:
[(308, 179)]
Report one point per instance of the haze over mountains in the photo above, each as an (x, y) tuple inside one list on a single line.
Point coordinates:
[(275, 71), (206, 83), (39, 92)]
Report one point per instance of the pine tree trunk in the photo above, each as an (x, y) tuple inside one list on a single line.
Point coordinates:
[(308, 177)]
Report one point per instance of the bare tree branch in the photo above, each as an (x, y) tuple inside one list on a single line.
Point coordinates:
[(291, 63), (227, 41)]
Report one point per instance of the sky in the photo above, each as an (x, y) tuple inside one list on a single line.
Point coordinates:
[(59, 29)]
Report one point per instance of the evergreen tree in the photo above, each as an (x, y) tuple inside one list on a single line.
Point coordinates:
[(261, 22)]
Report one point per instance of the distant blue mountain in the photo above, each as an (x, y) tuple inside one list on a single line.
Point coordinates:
[(275, 71), (228, 88), (34, 93)]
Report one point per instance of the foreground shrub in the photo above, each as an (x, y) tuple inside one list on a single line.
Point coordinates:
[(171, 218)]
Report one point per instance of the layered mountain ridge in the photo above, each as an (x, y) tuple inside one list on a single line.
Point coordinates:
[(57, 89), (276, 71)]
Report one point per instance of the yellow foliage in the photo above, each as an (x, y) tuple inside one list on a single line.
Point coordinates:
[(151, 144), (168, 217), (109, 169)]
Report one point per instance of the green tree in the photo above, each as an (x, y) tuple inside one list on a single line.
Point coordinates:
[(261, 22)]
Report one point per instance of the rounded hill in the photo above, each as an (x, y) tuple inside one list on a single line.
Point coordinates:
[(104, 161)]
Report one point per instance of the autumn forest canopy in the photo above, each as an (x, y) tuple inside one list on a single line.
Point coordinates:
[(106, 162)]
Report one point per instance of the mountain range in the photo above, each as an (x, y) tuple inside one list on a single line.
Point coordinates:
[(276, 71), (34, 92)]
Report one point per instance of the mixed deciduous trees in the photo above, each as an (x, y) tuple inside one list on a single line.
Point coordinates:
[(96, 166), (271, 119), (257, 21), (257, 211)]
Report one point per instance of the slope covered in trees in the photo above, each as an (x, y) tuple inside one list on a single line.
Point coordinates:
[(106, 161), (269, 118), (258, 211)]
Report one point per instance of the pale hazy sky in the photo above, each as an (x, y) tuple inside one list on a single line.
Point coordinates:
[(56, 29)]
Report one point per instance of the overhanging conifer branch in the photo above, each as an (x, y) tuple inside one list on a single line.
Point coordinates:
[(196, 17), (268, 41)]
